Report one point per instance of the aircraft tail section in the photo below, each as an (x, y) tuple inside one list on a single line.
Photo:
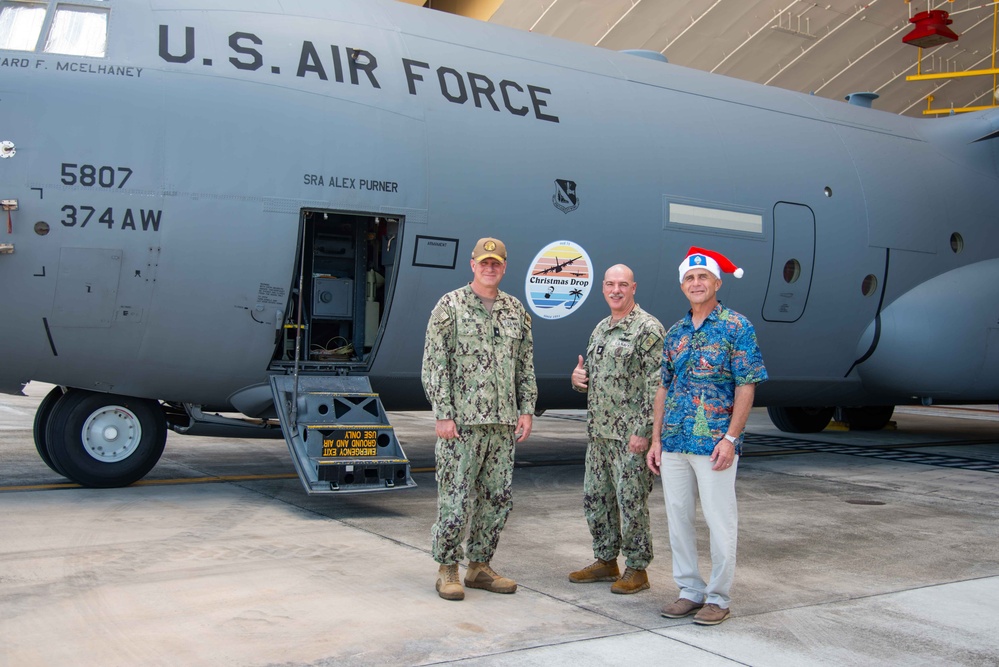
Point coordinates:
[(966, 128), (989, 119), (988, 137), (971, 138), (994, 134)]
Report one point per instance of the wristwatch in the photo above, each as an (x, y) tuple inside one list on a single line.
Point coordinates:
[(730, 438)]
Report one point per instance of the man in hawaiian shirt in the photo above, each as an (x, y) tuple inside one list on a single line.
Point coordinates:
[(710, 367)]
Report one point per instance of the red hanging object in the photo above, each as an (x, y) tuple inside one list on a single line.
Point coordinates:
[(10, 227), (931, 29)]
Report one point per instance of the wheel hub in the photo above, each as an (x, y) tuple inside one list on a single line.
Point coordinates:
[(111, 434)]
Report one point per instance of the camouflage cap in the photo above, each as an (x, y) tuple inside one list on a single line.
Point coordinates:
[(489, 247)]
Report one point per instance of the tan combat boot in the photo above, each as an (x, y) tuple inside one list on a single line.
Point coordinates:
[(599, 570), (449, 584), (480, 575), (631, 581)]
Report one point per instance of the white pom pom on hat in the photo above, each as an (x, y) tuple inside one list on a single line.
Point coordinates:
[(714, 262)]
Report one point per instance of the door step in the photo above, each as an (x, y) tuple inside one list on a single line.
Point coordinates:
[(339, 435)]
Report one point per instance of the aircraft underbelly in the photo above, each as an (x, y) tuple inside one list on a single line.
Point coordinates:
[(940, 340)]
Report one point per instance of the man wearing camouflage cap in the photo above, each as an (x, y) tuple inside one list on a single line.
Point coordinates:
[(478, 374), (620, 376)]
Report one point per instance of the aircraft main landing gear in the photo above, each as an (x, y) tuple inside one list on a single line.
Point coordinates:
[(868, 417), (800, 420), (813, 420), (41, 421), (99, 440)]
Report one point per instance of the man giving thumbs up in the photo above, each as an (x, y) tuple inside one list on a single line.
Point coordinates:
[(620, 376)]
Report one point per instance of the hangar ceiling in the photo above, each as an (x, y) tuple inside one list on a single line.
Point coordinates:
[(829, 48)]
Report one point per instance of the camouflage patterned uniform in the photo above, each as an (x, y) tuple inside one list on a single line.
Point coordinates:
[(622, 363), (478, 369)]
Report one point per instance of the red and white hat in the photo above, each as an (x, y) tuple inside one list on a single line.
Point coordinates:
[(715, 262)]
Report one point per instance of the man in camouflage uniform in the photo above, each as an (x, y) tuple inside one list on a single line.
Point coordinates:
[(478, 373), (620, 376)]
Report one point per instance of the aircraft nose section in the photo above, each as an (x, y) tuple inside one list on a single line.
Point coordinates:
[(940, 338)]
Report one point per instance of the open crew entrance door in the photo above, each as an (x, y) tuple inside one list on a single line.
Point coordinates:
[(335, 426)]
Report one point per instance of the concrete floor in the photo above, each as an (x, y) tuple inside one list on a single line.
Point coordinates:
[(219, 558)]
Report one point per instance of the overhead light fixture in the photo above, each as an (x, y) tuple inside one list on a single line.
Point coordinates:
[(930, 29)]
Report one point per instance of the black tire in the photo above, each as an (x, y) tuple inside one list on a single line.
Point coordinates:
[(105, 440), (41, 420), (800, 420), (868, 417)]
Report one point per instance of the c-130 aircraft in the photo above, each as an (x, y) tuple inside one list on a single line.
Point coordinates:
[(214, 211)]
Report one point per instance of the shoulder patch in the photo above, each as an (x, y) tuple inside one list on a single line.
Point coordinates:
[(440, 315), (650, 341)]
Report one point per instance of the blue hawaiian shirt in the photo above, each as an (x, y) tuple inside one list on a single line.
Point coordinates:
[(700, 370)]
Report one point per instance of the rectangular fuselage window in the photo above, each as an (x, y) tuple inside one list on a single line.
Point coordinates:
[(715, 218), (79, 32), (20, 25), (78, 29)]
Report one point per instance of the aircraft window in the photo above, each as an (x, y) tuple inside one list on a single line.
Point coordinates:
[(792, 271), (870, 285), (78, 32), (20, 25), (956, 242), (717, 218)]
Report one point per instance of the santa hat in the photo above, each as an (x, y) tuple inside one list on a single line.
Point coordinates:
[(715, 262)]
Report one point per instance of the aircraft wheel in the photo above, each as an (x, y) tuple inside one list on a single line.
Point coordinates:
[(800, 420), (41, 419), (104, 440), (868, 417)]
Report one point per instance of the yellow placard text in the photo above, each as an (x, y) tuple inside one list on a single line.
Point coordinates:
[(350, 443)]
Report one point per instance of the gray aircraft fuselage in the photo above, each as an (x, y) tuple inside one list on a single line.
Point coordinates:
[(171, 194)]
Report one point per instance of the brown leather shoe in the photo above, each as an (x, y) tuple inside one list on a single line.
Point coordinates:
[(711, 614), (599, 570), (631, 581), (682, 607), (480, 575), (449, 584)]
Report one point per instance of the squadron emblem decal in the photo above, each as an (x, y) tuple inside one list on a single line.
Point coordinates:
[(558, 280), (565, 198)]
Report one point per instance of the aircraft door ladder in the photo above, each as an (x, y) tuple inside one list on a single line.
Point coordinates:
[(339, 435), (336, 428)]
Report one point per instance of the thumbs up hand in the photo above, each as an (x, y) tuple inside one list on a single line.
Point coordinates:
[(580, 379)]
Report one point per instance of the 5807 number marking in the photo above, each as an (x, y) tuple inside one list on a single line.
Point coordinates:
[(89, 175)]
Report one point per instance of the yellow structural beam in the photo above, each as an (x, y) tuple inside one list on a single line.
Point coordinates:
[(942, 112), (952, 75)]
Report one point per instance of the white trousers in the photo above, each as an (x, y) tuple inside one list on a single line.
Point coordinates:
[(687, 477)]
